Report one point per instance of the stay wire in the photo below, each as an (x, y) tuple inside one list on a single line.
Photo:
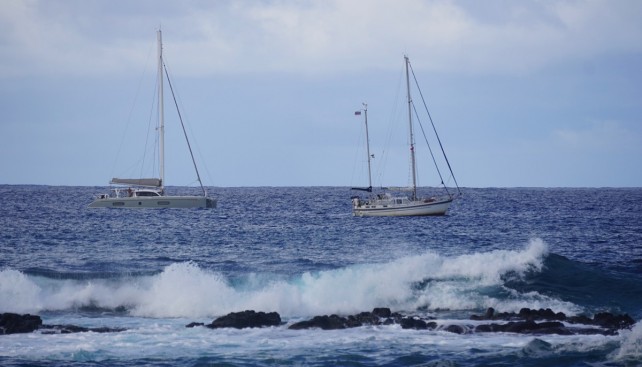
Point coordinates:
[(429, 148), (180, 117), (434, 128)]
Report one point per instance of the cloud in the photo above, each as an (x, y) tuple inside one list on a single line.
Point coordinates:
[(92, 38)]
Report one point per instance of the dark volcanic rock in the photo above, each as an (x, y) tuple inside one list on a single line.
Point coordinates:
[(527, 321), (378, 316), (457, 329), (610, 321), (524, 314), (246, 319), (12, 323), (416, 323), (541, 314), (332, 322), (382, 312), (526, 327), (605, 320), (194, 324)]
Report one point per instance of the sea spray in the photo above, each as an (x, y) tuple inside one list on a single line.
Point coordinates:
[(630, 351), (18, 293)]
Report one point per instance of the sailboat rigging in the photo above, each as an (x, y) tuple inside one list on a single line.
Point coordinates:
[(150, 192), (386, 204)]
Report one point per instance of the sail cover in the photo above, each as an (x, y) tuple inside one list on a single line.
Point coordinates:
[(150, 182)]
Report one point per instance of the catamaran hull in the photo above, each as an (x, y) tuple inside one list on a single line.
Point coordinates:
[(401, 210), (155, 202)]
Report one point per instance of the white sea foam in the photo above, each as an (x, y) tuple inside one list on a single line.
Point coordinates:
[(18, 293), (185, 290), (631, 346)]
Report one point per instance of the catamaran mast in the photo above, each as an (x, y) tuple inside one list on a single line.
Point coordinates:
[(412, 138), (161, 113)]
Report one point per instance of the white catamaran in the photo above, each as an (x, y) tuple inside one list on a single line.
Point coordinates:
[(386, 204), (150, 192)]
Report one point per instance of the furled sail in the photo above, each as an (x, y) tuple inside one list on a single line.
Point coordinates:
[(150, 182)]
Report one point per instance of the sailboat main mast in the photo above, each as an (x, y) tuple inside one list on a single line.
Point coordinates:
[(365, 111), (161, 112), (412, 137)]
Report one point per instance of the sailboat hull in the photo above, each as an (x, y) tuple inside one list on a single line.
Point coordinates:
[(155, 202), (409, 208)]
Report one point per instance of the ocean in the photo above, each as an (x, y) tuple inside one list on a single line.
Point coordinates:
[(299, 251)]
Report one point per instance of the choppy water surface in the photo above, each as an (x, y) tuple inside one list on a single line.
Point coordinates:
[(299, 252)]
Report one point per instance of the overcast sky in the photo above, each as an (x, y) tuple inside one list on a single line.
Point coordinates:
[(523, 93)]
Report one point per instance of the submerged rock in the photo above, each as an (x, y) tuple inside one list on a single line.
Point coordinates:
[(194, 324), (608, 321), (68, 329)]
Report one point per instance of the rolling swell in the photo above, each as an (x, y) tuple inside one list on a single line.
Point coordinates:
[(579, 283)]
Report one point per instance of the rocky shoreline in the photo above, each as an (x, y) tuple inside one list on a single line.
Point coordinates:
[(527, 321)]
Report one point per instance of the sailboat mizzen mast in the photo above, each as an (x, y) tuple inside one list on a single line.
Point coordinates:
[(161, 113), (357, 113), (412, 138)]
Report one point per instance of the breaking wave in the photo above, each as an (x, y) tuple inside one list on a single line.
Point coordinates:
[(426, 282)]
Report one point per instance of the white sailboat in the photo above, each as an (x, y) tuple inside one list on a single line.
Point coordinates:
[(386, 204), (150, 192)]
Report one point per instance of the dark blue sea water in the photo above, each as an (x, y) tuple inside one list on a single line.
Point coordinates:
[(299, 252)]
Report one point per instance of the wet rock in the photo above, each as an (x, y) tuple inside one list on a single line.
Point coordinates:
[(416, 323), (457, 329), (525, 327), (541, 314), (382, 312), (527, 321), (610, 321), (246, 319), (378, 316), (325, 322), (604, 319), (13, 323)]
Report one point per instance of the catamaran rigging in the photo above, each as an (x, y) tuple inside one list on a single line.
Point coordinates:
[(150, 192)]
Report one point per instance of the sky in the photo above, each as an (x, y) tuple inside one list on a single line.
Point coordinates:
[(522, 93)]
